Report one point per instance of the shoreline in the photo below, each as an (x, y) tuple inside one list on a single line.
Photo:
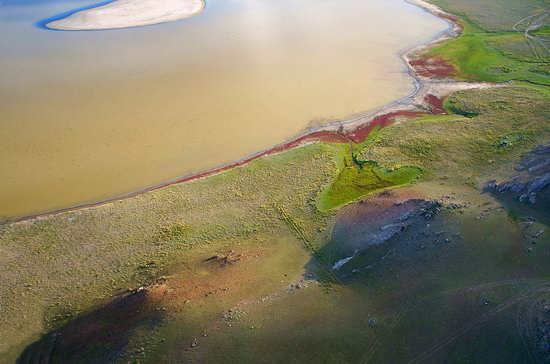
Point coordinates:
[(429, 93)]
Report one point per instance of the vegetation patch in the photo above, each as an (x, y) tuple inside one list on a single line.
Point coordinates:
[(174, 232), (502, 122), (357, 181), (511, 139), (478, 56), (543, 69), (433, 67), (515, 46), (495, 48)]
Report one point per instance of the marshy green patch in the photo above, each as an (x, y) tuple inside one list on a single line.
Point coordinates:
[(354, 182), (358, 177)]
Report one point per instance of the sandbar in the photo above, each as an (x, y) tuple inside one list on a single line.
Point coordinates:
[(129, 13)]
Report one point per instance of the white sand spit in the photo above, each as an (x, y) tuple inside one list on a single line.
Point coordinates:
[(129, 13)]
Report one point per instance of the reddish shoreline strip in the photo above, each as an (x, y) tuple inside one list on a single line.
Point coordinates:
[(360, 134), (357, 135), (317, 136)]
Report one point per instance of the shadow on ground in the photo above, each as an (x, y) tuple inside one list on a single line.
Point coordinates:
[(98, 337)]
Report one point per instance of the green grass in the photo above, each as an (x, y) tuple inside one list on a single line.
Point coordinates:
[(355, 182), (515, 46), (419, 297), (501, 123), (358, 177), (489, 49), (476, 56), (59, 267)]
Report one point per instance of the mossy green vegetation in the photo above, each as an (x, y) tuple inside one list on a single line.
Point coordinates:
[(357, 177), (358, 181)]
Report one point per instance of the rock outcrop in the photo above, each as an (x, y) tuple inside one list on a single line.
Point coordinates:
[(532, 181)]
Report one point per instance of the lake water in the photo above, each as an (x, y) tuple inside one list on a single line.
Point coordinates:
[(87, 116)]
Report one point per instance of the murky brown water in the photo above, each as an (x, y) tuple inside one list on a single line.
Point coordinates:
[(86, 116)]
